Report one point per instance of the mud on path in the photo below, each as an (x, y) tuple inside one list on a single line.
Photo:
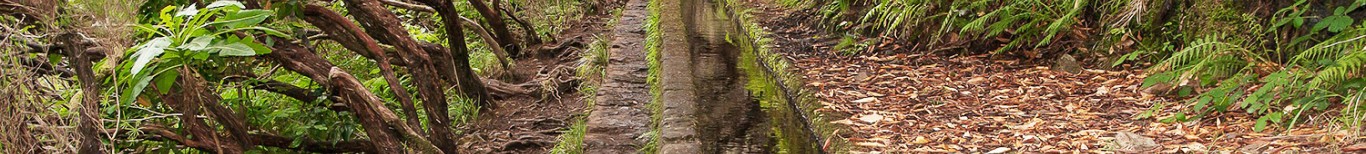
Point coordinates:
[(706, 106), (619, 118)]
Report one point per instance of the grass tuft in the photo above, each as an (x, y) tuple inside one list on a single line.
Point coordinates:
[(592, 68), (652, 46)]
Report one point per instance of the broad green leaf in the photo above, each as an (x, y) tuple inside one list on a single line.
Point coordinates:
[(262, 29), (1338, 22), (54, 59), (139, 82), (260, 49), (165, 80), (233, 49), (1202, 102), (199, 43), (225, 3), (149, 50), (1176, 118), (1298, 22), (271, 32), (1184, 91), (1262, 122), (243, 18), (1260, 125), (187, 11), (200, 55)]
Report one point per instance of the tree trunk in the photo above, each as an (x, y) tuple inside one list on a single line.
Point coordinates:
[(353, 38), (381, 125), (495, 20), (90, 90), (188, 99), (385, 26)]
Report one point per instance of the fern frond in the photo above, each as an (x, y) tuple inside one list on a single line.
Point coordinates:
[(1062, 23), (1345, 68), (1200, 49), (1332, 48)]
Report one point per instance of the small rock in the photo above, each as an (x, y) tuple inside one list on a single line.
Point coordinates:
[(1133, 143), (1067, 63)]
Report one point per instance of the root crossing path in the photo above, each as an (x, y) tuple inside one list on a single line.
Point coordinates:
[(706, 106), (620, 117)]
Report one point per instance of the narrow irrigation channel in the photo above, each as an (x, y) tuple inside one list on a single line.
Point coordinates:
[(718, 88), (688, 76), (706, 106), (797, 128)]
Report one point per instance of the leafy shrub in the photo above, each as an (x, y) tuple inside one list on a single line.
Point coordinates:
[(188, 36)]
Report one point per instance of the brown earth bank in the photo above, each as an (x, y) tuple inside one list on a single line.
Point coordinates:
[(921, 102)]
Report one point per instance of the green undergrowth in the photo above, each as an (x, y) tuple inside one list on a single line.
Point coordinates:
[(548, 16), (1282, 69), (656, 106), (591, 69), (797, 127)]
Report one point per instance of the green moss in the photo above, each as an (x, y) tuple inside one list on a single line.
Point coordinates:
[(793, 115)]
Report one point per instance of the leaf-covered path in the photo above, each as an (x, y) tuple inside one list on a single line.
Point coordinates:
[(956, 103)]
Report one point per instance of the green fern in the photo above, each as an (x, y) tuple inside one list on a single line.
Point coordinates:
[(1332, 48), (890, 16), (1313, 75), (1208, 58), (1032, 21)]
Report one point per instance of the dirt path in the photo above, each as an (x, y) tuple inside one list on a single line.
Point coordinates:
[(964, 103), (529, 123), (706, 108), (619, 117)]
